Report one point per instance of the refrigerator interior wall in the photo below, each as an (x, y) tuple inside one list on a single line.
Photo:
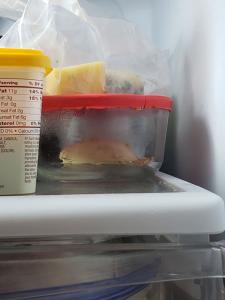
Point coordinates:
[(194, 33)]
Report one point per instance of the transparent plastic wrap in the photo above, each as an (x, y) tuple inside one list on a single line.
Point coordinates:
[(12, 9), (110, 47)]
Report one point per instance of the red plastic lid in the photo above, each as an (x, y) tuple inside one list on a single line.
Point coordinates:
[(105, 101)]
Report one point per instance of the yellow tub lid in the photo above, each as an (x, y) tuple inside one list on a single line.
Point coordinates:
[(19, 57)]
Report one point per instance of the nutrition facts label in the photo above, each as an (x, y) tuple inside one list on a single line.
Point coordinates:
[(20, 106), (20, 120)]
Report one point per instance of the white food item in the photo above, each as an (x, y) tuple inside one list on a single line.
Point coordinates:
[(122, 82)]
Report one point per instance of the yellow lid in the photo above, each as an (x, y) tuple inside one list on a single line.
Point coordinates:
[(24, 58)]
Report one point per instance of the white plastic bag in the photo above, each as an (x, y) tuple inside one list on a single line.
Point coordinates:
[(62, 31), (70, 37), (127, 49), (12, 9)]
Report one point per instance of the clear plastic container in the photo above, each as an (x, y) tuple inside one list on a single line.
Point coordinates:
[(102, 137), (123, 268)]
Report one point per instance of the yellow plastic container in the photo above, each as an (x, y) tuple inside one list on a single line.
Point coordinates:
[(21, 84)]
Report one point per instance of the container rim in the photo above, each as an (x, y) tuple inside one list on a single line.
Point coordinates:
[(105, 101), (20, 57)]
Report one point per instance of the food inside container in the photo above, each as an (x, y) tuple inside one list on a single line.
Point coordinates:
[(102, 137), (79, 79), (123, 82), (92, 78), (100, 152)]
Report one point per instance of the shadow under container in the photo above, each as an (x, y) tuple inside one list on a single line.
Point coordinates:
[(102, 137)]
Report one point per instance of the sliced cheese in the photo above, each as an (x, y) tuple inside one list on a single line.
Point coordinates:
[(80, 79)]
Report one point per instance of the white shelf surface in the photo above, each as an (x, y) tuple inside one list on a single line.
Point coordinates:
[(191, 211)]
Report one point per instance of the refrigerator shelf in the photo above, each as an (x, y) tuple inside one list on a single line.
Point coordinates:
[(182, 209)]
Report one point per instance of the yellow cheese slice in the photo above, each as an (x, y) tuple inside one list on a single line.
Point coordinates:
[(80, 79)]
